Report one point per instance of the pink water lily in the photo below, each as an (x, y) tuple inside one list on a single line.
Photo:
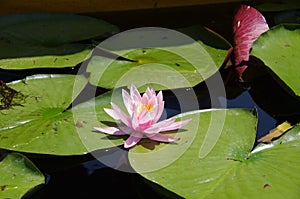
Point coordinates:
[(143, 119), (248, 25)]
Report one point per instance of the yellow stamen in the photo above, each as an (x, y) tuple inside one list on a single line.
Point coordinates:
[(141, 107), (149, 107)]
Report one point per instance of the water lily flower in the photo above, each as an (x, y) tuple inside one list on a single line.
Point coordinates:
[(248, 25), (142, 120)]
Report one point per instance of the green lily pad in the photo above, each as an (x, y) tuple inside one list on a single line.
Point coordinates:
[(44, 40), (18, 176), (214, 44), (53, 28), (279, 49), (232, 169), (39, 121), (160, 58), (37, 56)]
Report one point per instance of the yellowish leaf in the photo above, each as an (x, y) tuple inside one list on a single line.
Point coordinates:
[(276, 132)]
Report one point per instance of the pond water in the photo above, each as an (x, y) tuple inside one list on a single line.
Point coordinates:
[(86, 177)]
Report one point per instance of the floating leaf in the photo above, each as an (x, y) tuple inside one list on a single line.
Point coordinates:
[(160, 58), (9, 97), (53, 28), (44, 40), (36, 56), (18, 176), (230, 170), (214, 43), (204, 124), (43, 124), (279, 49)]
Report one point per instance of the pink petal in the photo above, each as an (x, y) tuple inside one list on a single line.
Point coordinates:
[(135, 95), (112, 113), (156, 128), (133, 139), (163, 138), (158, 111), (150, 93), (126, 130), (175, 125), (122, 116), (146, 117), (127, 101), (134, 121), (146, 125), (109, 130), (248, 25), (159, 97), (145, 99)]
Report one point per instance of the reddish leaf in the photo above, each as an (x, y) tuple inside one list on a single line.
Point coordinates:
[(248, 25)]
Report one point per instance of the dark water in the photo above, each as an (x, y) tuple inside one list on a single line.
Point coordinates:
[(86, 177)]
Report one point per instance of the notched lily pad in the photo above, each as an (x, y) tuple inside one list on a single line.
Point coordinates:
[(10, 97), (43, 124), (279, 49), (44, 40), (155, 57), (18, 176), (231, 169), (53, 28)]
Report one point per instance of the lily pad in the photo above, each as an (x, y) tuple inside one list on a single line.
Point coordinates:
[(41, 40), (155, 57), (37, 56), (279, 49), (18, 176), (215, 44), (41, 122), (53, 28), (231, 169)]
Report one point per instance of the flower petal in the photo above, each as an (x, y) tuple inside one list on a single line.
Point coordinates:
[(175, 125), (158, 111), (133, 139), (156, 128), (127, 101), (127, 130), (159, 97), (135, 121), (110, 130), (135, 95), (163, 138), (112, 113), (248, 25), (150, 93), (165, 125), (146, 117), (122, 116)]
